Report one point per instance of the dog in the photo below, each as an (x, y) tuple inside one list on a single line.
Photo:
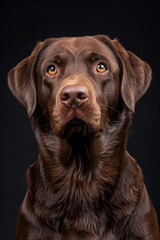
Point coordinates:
[(80, 94)]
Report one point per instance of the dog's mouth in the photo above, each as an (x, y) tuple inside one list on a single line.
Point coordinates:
[(82, 121), (76, 127)]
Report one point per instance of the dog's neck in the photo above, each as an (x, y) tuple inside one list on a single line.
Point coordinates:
[(84, 158)]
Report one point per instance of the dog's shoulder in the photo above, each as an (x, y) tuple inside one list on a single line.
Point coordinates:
[(130, 185)]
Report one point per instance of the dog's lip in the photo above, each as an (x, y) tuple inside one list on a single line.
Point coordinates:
[(78, 115), (79, 128), (76, 120), (75, 125), (72, 114)]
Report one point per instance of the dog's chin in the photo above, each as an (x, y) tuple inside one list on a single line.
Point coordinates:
[(77, 127)]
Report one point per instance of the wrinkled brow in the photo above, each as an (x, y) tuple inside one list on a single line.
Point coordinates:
[(94, 56)]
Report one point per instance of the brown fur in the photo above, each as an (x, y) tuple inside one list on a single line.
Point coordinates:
[(84, 184)]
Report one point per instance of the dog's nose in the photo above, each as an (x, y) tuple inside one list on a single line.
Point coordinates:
[(74, 95)]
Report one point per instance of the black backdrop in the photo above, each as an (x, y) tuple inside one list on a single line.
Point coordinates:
[(137, 27)]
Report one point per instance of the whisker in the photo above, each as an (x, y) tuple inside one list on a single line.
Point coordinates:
[(49, 138)]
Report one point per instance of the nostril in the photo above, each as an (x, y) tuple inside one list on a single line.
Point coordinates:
[(82, 95), (65, 96)]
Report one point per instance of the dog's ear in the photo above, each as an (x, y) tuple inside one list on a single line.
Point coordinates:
[(21, 80), (135, 76)]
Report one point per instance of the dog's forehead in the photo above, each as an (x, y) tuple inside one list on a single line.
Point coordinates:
[(78, 46)]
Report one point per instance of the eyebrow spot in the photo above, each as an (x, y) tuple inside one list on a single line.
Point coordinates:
[(93, 56)]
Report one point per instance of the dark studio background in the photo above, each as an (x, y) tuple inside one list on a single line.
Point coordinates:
[(135, 24)]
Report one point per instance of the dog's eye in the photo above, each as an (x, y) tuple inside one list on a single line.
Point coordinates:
[(101, 68), (52, 70)]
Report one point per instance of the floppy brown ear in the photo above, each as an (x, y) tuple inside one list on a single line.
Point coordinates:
[(21, 81), (136, 76)]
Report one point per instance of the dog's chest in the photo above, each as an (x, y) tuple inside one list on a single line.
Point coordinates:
[(78, 216), (84, 224), (82, 216), (76, 208)]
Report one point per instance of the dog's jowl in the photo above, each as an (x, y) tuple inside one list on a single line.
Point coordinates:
[(80, 94)]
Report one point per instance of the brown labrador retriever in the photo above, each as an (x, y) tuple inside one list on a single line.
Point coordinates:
[(80, 93)]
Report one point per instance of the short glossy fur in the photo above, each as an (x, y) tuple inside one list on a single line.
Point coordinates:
[(84, 184)]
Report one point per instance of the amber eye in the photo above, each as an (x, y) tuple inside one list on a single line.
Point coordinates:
[(101, 68), (52, 70)]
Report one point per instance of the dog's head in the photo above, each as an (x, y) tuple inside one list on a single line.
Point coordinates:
[(77, 83)]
